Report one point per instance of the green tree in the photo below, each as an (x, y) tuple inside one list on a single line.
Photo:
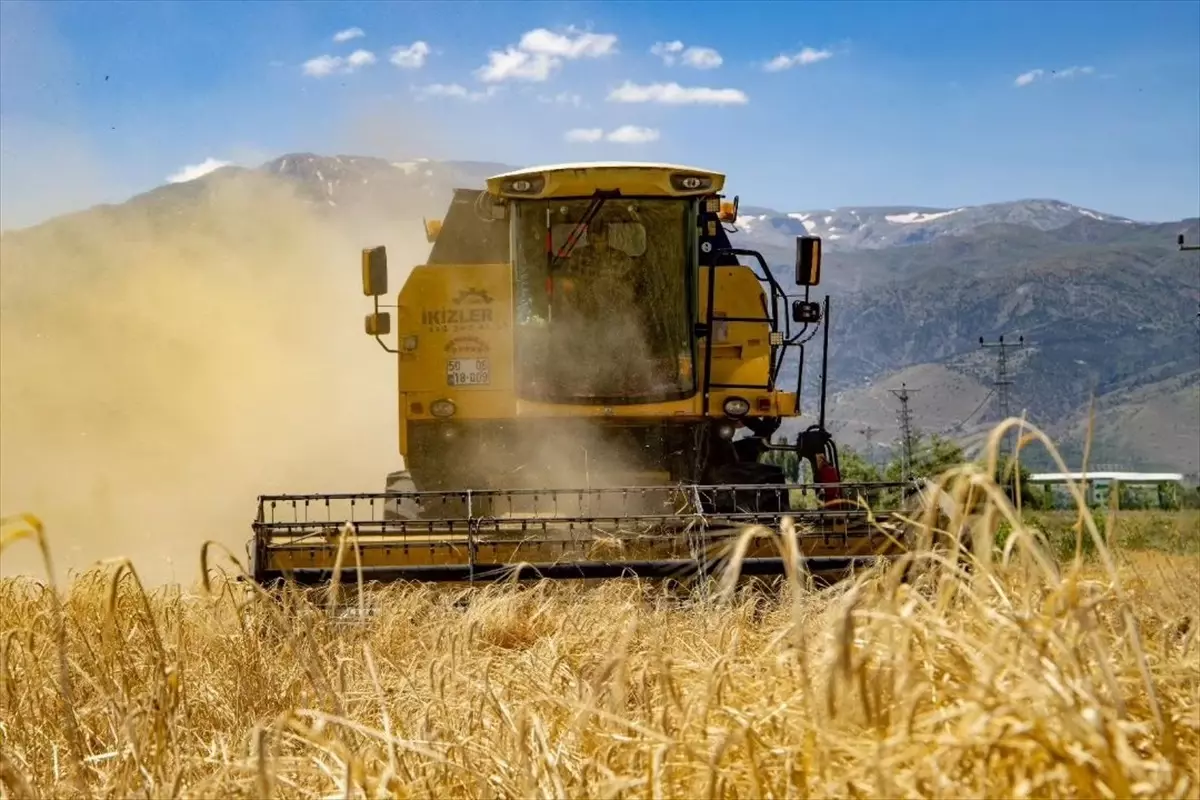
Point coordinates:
[(1168, 498), (1008, 478), (856, 469), (1047, 497), (787, 459), (932, 455), (1189, 497)]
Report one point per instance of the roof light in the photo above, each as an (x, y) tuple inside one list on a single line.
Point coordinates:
[(682, 182), (442, 408), (529, 185)]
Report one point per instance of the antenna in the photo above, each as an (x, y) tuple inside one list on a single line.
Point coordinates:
[(1002, 381), (905, 419)]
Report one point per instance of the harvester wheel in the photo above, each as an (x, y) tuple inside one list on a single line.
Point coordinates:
[(773, 500), (405, 508)]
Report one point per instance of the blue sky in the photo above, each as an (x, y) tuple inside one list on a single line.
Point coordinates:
[(893, 103)]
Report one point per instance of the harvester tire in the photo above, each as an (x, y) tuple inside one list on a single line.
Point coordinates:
[(751, 473), (406, 508)]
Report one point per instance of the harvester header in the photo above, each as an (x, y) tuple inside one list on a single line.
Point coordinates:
[(587, 332)]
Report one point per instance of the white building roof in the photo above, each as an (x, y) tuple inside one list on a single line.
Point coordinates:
[(1127, 477)]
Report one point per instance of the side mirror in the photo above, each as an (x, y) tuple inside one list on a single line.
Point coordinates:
[(374, 271), (806, 312), (808, 260), (378, 323)]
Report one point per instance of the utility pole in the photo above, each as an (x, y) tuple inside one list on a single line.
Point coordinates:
[(1002, 381), (868, 432), (905, 419), (1183, 246)]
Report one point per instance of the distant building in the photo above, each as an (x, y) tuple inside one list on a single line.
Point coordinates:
[(1100, 484)]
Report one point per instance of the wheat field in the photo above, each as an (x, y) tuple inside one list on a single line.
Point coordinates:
[(1020, 674)]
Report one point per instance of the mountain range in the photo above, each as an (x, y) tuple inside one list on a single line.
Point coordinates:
[(1107, 306)]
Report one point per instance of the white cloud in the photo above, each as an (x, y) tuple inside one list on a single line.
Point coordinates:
[(702, 58), (348, 34), (667, 51), (804, 58), (584, 135), (326, 65), (674, 94), (626, 134), (562, 99), (585, 45), (321, 66), (698, 57), (541, 51), (1026, 78), (410, 57), (360, 58), (193, 171), (632, 134), (454, 90), (1071, 72), (513, 64)]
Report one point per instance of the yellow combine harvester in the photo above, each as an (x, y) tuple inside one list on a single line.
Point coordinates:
[(588, 384)]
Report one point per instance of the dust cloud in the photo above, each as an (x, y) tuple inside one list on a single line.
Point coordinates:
[(164, 362)]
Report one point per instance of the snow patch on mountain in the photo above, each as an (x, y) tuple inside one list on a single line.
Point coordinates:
[(917, 216)]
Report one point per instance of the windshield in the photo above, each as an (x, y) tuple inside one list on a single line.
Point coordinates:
[(602, 303)]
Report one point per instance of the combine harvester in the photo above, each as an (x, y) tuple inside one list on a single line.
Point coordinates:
[(588, 388)]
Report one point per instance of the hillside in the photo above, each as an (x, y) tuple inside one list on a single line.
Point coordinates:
[(877, 228), (248, 276)]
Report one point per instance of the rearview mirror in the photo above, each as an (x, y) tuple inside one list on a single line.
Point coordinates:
[(374, 271), (808, 260), (378, 323)]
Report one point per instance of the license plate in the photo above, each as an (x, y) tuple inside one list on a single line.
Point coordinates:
[(468, 372)]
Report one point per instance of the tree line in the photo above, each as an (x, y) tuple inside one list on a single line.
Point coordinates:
[(933, 454)]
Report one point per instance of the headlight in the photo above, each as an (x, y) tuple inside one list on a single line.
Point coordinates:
[(725, 430), (737, 407), (442, 408)]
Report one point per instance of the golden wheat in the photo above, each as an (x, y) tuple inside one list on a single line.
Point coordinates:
[(1022, 676)]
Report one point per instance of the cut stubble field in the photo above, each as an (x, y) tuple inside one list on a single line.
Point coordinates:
[(1030, 674)]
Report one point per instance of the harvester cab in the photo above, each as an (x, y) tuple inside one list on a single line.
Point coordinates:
[(589, 380)]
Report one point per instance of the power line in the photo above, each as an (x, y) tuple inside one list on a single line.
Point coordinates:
[(1002, 381), (905, 419), (959, 425)]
